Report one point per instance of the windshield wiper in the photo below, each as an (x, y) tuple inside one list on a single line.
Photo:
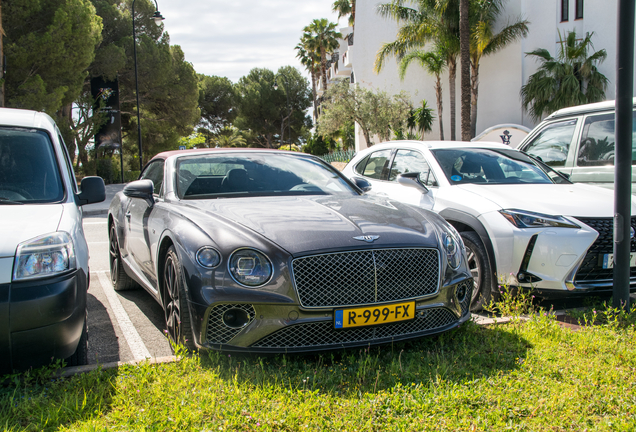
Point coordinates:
[(4, 200)]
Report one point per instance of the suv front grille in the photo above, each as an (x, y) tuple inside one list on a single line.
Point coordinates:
[(592, 267), (365, 277)]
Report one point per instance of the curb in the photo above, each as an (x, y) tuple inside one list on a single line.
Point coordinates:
[(76, 370)]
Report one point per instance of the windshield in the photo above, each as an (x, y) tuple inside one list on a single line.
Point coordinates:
[(256, 174), (28, 168), (492, 166)]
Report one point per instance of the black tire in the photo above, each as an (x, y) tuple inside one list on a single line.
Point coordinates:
[(175, 305), (484, 289), (80, 356), (118, 277)]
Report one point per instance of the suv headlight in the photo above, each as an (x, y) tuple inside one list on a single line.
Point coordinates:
[(250, 267), (527, 219), (44, 256)]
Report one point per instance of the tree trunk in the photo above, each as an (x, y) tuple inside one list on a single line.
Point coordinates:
[(313, 94), (438, 94), (365, 132), (464, 43), (452, 80), (323, 67), (353, 15), (474, 83)]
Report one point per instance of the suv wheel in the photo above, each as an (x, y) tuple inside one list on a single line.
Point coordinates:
[(480, 268)]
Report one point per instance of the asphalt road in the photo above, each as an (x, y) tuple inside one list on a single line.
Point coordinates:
[(122, 326)]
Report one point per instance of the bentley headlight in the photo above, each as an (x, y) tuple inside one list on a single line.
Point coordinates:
[(250, 267), (453, 251), (527, 219), (44, 256)]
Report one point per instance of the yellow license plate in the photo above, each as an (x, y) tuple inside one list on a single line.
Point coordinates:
[(372, 315)]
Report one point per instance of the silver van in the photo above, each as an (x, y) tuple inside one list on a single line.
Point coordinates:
[(579, 142)]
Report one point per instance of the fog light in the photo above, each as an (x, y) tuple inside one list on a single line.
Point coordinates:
[(461, 293), (236, 318)]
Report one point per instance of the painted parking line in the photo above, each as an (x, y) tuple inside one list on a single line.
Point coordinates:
[(135, 343), (95, 223)]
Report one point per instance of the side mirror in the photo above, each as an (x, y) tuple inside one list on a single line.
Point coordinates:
[(411, 179), (92, 190), (362, 184), (141, 189)]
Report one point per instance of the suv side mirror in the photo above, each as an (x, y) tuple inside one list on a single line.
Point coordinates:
[(412, 179), (92, 190), (141, 189)]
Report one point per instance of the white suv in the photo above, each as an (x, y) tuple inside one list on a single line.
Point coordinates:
[(44, 272), (579, 142)]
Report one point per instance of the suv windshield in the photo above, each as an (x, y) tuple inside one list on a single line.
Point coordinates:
[(492, 166), (28, 169), (266, 174)]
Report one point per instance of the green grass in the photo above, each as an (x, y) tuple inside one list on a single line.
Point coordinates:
[(526, 375)]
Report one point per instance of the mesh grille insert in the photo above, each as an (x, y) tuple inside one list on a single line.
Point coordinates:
[(323, 333), (365, 277), (217, 331), (592, 267)]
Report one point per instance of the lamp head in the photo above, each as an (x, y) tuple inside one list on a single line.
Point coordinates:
[(157, 17), (275, 85)]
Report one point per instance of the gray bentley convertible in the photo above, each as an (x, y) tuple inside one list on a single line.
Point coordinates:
[(272, 251)]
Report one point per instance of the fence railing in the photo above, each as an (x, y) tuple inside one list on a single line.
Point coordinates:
[(341, 156)]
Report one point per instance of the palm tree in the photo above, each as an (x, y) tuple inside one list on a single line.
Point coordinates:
[(571, 78), (483, 41), (322, 37), (430, 21), (434, 62), (346, 8), (230, 136), (311, 61)]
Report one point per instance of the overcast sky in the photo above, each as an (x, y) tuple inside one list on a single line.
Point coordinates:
[(229, 38)]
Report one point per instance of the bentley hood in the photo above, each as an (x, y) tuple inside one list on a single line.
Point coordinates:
[(302, 224)]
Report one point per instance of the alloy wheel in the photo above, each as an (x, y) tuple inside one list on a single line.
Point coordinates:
[(171, 301), (475, 270)]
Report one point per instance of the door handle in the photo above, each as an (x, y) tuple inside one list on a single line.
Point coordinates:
[(128, 216)]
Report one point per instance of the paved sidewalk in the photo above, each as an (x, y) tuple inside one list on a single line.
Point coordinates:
[(102, 207)]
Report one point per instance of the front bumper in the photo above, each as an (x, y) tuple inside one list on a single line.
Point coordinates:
[(41, 320), (543, 258), (280, 328)]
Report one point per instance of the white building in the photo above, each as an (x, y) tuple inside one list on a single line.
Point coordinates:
[(500, 75)]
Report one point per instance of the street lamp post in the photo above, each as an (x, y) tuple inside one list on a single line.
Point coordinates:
[(158, 18), (282, 127)]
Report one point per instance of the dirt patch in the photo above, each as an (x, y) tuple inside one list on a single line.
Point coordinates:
[(339, 165)]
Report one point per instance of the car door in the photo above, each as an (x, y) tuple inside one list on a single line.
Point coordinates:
[(594, 161), (405, 161), (555, 144), (374, 168), (137, 216)]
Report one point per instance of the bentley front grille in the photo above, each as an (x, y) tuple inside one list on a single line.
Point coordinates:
[(591, 269), (323, 334), (218, 332), (365, 277)]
